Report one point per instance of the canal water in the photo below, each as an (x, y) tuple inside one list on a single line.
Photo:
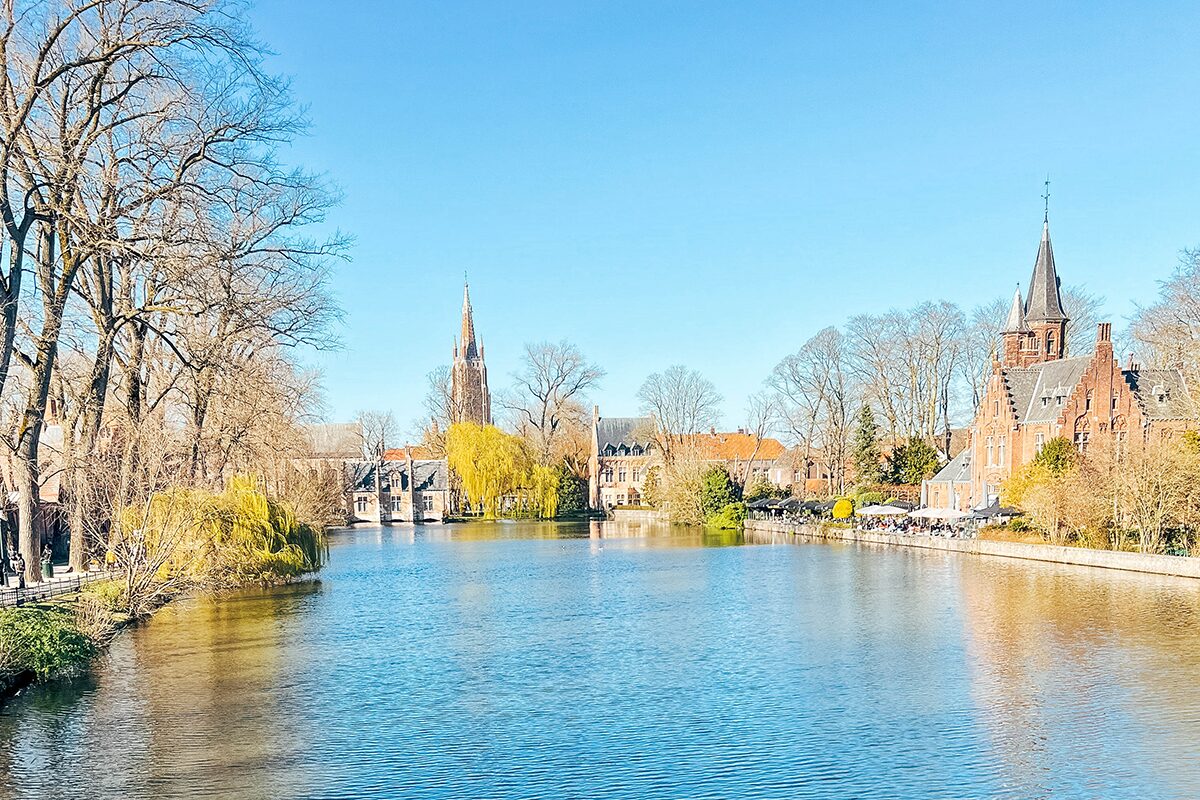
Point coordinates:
[(596, 661)]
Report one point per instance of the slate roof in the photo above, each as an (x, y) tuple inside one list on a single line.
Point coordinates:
[(1027, 386), (1161, 393), (957, 470), (1044, 303), (619, 431), (335, 439), (431, 476), (1016, 316)]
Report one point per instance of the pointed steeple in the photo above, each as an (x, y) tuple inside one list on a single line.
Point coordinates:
[(1016, 315), (469, 347), (1044, 303)]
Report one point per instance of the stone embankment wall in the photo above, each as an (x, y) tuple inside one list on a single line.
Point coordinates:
[(638, 515), (770, 530)]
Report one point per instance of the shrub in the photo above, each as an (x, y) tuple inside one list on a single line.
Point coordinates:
[(843, 508), (717, 491), (761, 487), (728, 518), (44, 641), (869, 499)]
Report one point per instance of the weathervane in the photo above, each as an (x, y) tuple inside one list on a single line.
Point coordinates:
[(1046, 197)]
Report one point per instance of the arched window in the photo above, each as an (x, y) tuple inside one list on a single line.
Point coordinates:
[(1050, 343)]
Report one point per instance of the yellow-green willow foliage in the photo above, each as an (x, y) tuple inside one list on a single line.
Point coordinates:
[(542, 490), (493, 466), (183, 539)]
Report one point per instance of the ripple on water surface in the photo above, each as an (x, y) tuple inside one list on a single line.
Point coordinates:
[(534, 660)]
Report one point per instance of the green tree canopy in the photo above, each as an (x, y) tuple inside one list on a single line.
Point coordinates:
[(1057, 456), (912, 462), (717, 491)]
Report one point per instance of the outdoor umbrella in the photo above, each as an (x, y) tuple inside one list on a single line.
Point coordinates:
[(939, 513), (881, 511)]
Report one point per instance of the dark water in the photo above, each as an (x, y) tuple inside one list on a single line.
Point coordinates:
[(534, 661)]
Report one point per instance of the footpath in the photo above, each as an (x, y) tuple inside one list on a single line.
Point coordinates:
[(1180, 566)]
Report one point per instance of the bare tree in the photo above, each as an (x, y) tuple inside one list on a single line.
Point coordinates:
[(378, 431), (547, 393), (815, 393), (683, 403)]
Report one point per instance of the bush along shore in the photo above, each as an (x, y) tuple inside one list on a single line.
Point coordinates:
[(178, 543)]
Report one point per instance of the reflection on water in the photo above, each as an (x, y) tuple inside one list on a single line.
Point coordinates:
[(547, 660)]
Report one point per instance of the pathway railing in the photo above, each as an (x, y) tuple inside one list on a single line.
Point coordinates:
[(12, 596)]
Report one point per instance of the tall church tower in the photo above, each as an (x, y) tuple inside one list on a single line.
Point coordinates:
[(469, 395)]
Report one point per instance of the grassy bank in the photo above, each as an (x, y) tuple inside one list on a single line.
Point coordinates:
[(179, 543)]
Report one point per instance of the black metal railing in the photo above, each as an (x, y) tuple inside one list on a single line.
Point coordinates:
[(12, 596)]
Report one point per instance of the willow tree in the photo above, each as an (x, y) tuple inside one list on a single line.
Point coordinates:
[(489, 462)]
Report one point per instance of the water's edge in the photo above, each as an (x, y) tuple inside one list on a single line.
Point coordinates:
[(1178, 566)]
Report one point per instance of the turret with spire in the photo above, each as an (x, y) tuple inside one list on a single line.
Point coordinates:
[(1043, 306), (1016, 335), (469, 394)]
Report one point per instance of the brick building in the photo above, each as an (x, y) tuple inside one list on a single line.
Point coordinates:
[(1038, 391), (470, 399), (623, 451)]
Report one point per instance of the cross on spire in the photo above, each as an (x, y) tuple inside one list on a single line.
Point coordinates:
[(1046, 198)]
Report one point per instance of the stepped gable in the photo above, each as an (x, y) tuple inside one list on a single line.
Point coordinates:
[(1161, 394)]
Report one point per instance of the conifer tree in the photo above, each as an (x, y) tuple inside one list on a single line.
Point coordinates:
[(864, 451)]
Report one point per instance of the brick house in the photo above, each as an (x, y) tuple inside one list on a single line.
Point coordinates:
[(1038, 392)]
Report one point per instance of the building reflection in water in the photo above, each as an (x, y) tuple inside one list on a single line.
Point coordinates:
[(1073, 660)]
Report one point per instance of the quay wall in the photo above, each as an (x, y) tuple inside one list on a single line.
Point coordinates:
[(638, 515), (763, 530)]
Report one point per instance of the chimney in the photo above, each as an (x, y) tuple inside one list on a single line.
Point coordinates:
[(1104, 348), (413, 513)]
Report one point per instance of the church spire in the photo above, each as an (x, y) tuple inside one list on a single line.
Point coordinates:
[(1044, 303), (470, 348), (1016, 315)]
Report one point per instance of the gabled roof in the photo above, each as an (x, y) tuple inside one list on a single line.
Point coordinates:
[(957, 470), (1027, 386), (617, 431), (335, 439), (431, 475), (738, 447), (1044, 303), (420, 452), (1161, 393)]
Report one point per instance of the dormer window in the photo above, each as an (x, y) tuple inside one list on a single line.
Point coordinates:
[(637, 450)]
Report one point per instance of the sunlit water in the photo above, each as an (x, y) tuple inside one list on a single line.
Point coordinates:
[(540, 661)]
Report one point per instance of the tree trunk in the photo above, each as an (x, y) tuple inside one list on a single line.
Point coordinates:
[(29, 534)]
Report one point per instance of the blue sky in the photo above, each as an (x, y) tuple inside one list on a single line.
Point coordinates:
[(712, 183)]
